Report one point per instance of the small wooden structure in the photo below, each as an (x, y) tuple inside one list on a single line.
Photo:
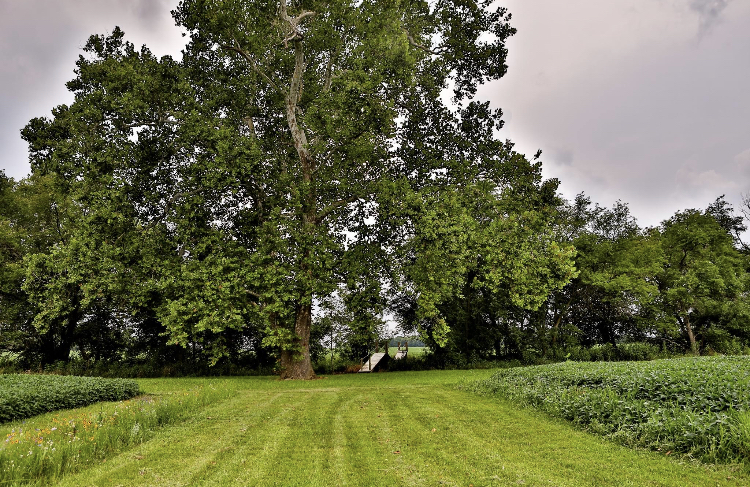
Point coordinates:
[(372, 361)]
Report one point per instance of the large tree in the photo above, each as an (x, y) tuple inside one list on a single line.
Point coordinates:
[(297, 147), (41, 294), (704, 279)]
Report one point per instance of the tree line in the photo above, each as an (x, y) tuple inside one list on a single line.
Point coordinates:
[(681, 287), (307, 167)]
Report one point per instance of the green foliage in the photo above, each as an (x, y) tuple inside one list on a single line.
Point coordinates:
[(682, 286), (695, 406), (198, 210), (23, 396), (299, 149), (704, 278)]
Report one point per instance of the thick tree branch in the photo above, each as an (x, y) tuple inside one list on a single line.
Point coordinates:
[(238, 49), (421, 47), (333, 206), (293, 33), (295, 92)]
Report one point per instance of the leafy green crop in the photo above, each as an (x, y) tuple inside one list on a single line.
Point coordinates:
[(23, 396), (698, 406)]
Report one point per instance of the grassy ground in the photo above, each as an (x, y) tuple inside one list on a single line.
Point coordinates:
[(408, 428)]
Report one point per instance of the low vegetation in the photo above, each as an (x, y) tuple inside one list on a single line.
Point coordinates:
[(696, 406), (408, 428), (39, 450), (26, 395)]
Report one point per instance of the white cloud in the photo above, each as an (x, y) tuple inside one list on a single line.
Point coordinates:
[(742, 161), (694, 180)]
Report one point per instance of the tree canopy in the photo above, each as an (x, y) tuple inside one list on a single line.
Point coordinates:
[(297, 150), (307, 152)]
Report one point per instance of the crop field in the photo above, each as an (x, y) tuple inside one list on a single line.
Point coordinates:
[(25, 395), (407, 428), (695, 406)]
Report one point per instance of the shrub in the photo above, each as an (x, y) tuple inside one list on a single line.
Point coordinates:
[(605, 352), (721, 341), (579, 354), (637, 351)]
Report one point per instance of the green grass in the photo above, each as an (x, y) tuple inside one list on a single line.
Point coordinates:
[(41, 449), (407, 428)]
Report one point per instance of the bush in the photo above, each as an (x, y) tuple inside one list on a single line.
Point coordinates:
[(634, 351), (721, 341), (339, 365), (579, 354), (8, 363), (135, 368), (604, 352), (409, 363), (637, 351), (24, 395)]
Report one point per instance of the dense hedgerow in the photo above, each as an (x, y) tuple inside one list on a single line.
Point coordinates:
[(698, 406), (23, 395)]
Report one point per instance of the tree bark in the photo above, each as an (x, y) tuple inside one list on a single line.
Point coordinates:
[(691, 334), (294, 365), (57, 346)]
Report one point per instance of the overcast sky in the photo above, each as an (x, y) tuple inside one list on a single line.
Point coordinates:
[(646, 101)]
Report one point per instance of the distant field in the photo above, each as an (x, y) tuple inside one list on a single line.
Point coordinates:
[(413, 351), (404, 429)]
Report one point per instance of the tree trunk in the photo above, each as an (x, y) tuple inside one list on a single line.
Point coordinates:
[(691, 335), (296, 365)]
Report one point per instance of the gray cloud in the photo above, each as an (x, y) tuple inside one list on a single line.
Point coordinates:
[(709, 13), (563, 157), (652, 117), (149, 10), (742, 160)]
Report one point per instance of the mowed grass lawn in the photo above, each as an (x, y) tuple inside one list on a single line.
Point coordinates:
[(405, 428)]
